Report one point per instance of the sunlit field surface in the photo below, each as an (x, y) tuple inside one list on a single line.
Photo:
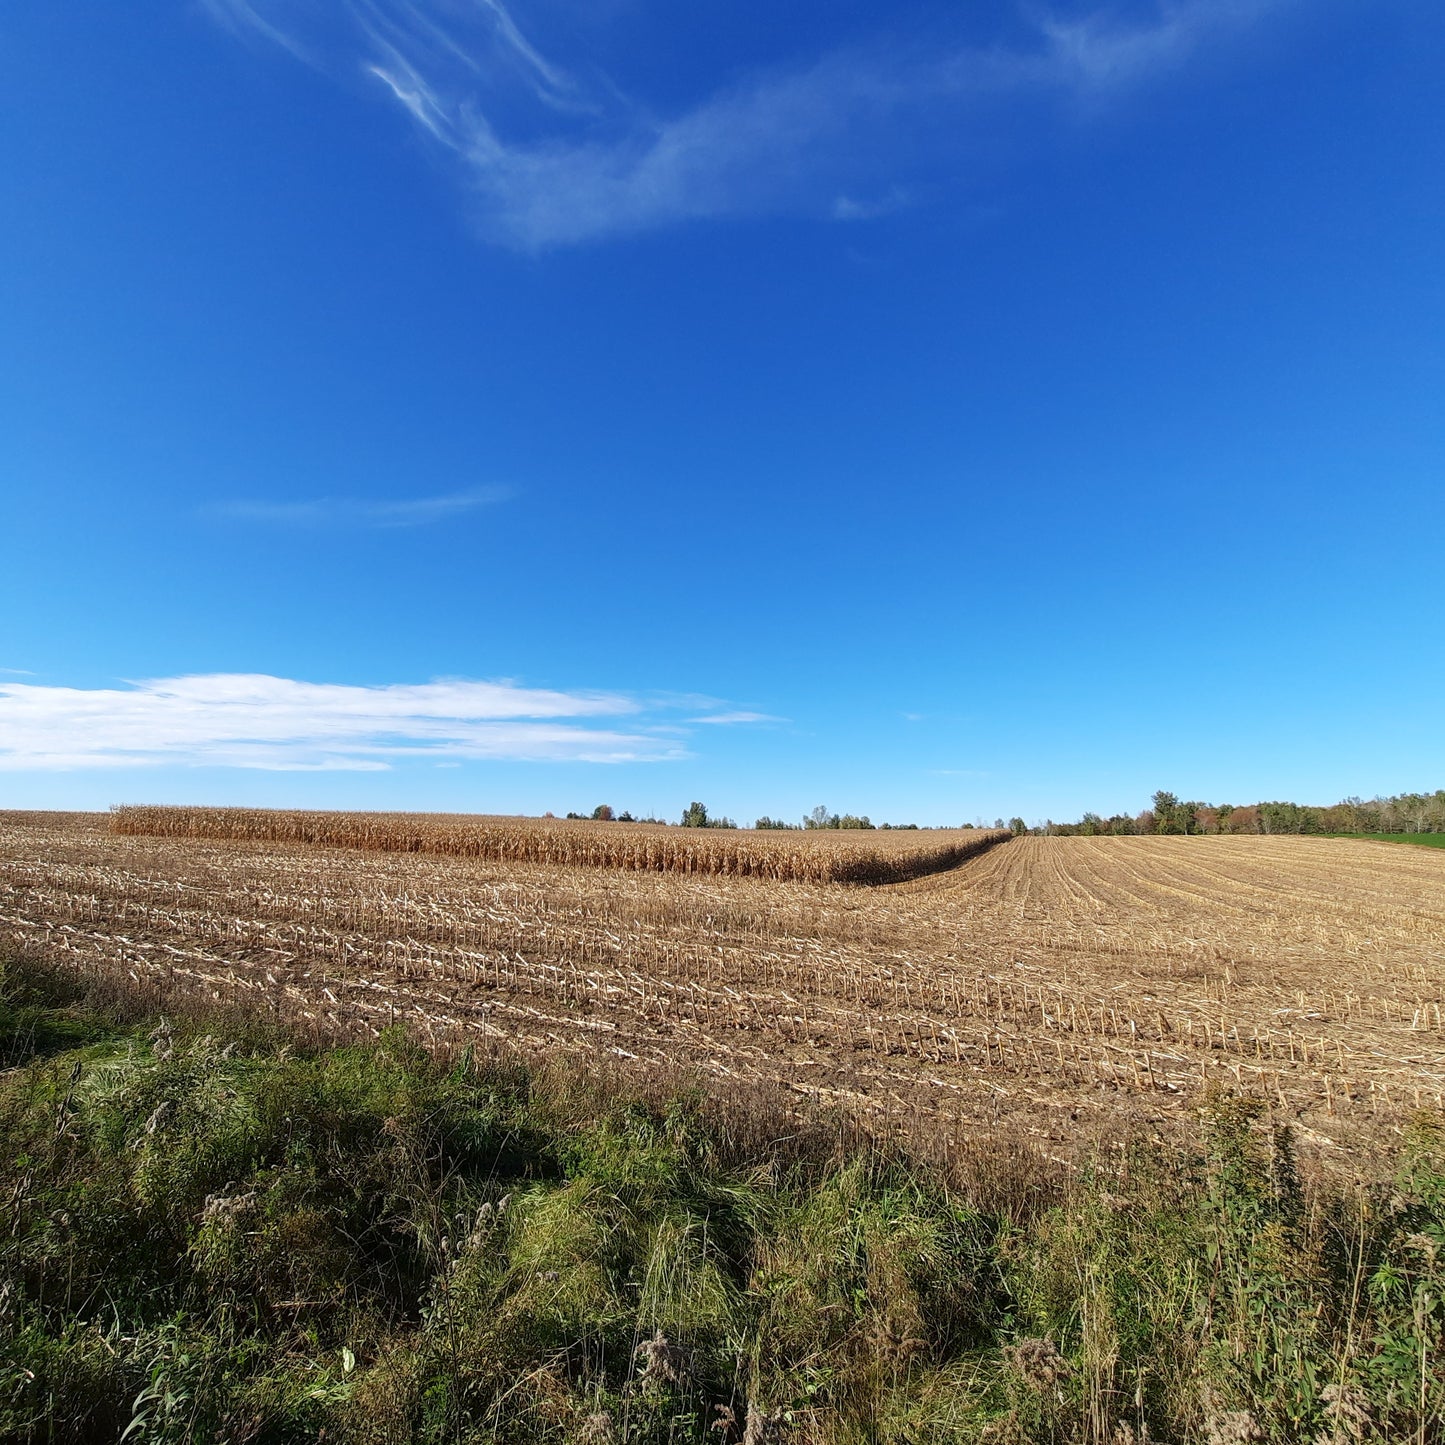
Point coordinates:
[(1056, 981)]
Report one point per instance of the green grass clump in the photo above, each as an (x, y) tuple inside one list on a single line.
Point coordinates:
[(1420, 840), (210, 1236)]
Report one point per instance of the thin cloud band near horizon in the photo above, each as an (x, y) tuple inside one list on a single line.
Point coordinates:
[(257, 721), (378, 513)]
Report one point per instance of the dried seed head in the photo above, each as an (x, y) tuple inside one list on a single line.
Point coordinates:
[(1040, 1363), (223, 1208), (1005, 1430), (1349, 1420), (1127, 1434), (597, 1429), (1424, 1244), (762, 1426), (664, 1362), (162, 1039), (1228, 1427), (1234, 1427)]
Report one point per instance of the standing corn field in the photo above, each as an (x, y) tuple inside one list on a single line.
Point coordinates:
[(813, 857)]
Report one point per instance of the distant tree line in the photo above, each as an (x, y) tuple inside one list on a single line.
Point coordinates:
[(820, 817), (1403, 813), (696, 815), (603, 813)]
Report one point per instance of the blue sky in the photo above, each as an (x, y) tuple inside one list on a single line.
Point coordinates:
[(937, 412)]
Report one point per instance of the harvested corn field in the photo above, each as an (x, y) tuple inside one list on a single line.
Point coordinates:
[(820, 856), (1060, 981)]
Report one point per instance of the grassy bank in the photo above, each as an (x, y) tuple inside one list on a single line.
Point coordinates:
[(214, 1235), (1420, 840)]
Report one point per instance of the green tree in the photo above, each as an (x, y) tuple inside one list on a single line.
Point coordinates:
[(695, 816), (1018, 827), (1166, 805)]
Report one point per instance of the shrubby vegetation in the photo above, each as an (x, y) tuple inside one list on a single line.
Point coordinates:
[(217, 1236), (1404, 813), (696, 816), (604, 813), (820, 817)]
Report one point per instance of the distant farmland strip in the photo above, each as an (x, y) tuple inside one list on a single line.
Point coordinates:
[(820, 856)]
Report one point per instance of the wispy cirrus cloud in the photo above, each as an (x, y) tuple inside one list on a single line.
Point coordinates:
[(1101, 51), (246, 720), (362, 512), (242, 18), (555, 160), (733, 719)]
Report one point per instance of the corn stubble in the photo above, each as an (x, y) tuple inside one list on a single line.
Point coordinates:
[(216, 1238), (1061, 983)]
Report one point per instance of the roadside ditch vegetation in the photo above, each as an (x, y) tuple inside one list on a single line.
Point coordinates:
[(209, 1233)]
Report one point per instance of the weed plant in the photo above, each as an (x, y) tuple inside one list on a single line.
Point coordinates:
[(214, 1235)]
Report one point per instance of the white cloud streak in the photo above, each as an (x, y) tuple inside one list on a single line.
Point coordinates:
[(556, 84), (1101, 53), (828, 138), (244, 720), (343, 512), (732, 719), (242, 18)]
